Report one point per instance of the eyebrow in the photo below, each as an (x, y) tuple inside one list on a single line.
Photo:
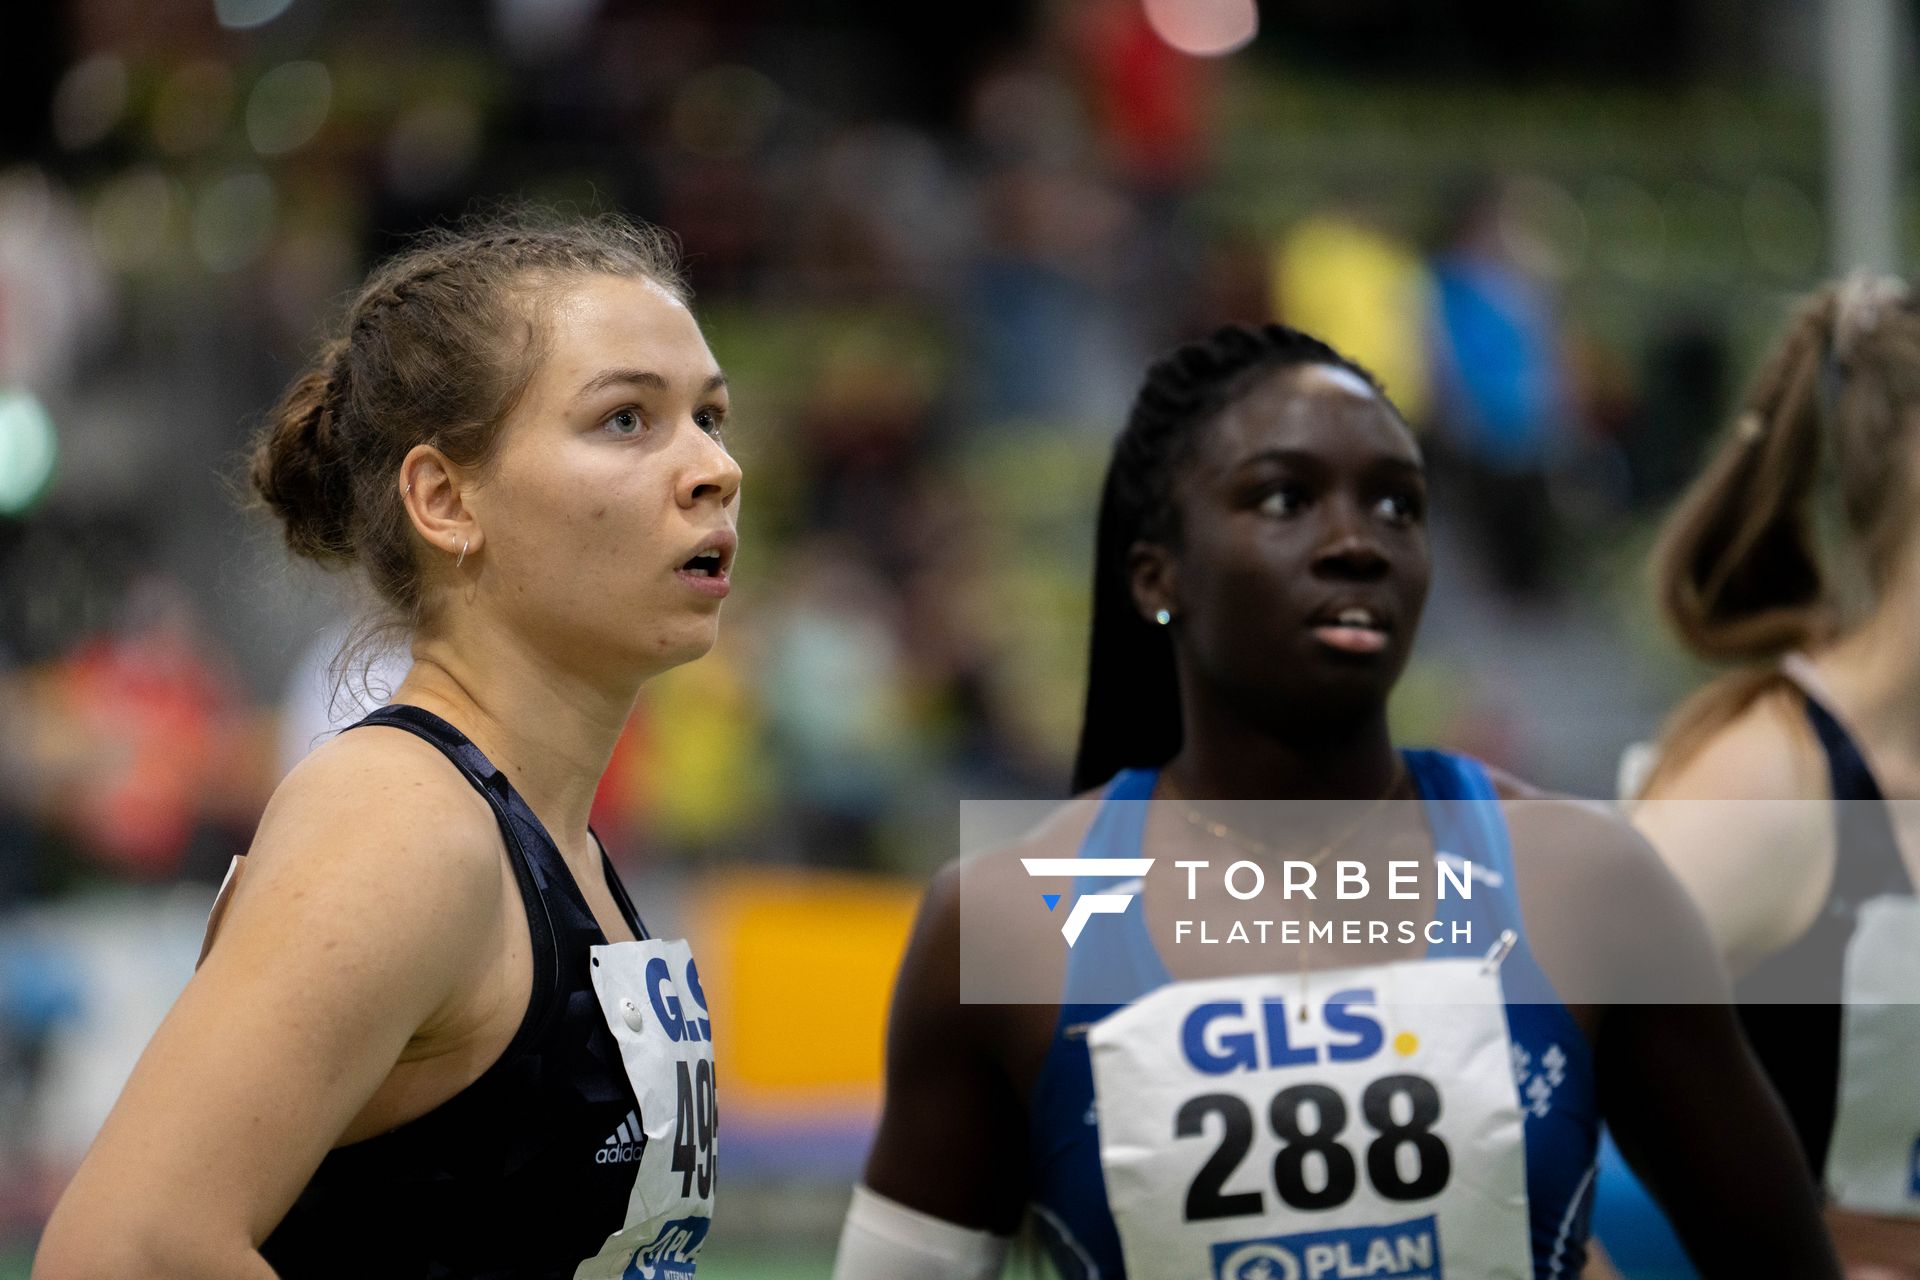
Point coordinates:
[(642, 378), (1306, 457)]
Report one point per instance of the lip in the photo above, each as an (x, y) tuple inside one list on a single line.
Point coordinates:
[(1347, 638), (716, 585)]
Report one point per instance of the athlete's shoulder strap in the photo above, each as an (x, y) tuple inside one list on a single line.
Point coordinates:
[(492, 784), (1114, 959)]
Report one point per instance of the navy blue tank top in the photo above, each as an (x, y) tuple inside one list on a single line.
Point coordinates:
[(523, 1173), (1796, 1033), (1552, 1062)]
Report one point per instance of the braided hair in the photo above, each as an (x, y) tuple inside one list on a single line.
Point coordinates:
[(437, 347), (1132, 716)]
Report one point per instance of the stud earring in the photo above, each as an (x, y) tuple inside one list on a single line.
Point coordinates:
[(465, 543), (1163, 616)]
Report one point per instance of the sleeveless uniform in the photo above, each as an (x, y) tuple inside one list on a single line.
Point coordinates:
[(586, 1149), (1799, 1035), (1182, 1134)]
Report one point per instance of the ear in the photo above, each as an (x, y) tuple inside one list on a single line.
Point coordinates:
[(434, 491), (1153, 575)]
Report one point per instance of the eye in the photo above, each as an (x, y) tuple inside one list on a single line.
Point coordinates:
[(1399, 508), (1283, 500), (710, 418), (625, 422)]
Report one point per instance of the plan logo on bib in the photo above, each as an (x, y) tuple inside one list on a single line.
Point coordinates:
[(1398, 1251), (1110, 901), (670, 1256)]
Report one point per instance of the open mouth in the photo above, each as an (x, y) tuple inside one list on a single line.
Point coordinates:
[(1352, 629), (707, 564)]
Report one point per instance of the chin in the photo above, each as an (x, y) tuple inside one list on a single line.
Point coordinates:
[(681, 645)]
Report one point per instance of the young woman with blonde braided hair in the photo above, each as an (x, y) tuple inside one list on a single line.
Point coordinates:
[(1811, 904), (430, 1035)]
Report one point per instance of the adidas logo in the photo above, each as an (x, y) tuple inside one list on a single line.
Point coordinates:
[(623, 1145)]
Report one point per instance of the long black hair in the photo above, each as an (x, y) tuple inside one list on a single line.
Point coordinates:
[(1132, 716)]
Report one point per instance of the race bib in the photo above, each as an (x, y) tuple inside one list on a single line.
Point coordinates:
[(650, 995), (1873, 1163), (1377, 1137)]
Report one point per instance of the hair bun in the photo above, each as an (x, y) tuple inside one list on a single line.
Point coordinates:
[(300, 470)]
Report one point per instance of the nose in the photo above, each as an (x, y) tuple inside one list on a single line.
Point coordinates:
[(1348, 551), (710, 474)]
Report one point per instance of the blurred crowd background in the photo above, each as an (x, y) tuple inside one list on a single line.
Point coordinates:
[(934, 248)]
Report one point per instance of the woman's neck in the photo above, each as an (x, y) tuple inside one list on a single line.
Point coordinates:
[(1224, 756), (1874, 670), (550, 730)]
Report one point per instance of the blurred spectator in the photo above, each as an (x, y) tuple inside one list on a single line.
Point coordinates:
[(1501, 405)]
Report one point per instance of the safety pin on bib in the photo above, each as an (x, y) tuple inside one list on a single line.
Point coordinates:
[(1499, 950)]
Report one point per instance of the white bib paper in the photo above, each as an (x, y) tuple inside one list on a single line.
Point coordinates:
[(1378, 1138), (650, 995), (1873, 1164)]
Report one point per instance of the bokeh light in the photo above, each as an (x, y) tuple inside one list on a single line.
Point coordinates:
[(193, 109), (28, 450), (241, 14), (233, 220), (432, 146), (724, 112), (134, 217), (89, 101), (1204, 28), (288, 106)]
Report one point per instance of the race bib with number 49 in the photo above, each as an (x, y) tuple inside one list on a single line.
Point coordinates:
[(1377, 1136), (650, 995)]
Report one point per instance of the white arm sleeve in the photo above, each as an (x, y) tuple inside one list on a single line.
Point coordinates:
[(885, 1240)]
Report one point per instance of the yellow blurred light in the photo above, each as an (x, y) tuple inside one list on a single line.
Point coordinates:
[(193, 108), (133, 217), (1204, 28)]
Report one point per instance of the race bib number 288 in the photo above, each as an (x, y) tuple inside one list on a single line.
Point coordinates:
[(1251, 1129)]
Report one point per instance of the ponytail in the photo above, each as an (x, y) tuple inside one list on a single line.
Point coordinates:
[(1737, 574), (1737, 571)]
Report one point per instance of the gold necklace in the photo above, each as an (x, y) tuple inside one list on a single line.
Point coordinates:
[(1259, 848)]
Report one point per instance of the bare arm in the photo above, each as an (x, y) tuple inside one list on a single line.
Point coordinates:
[(1745, 827), (356, 930), (952, 1137), (1678, 1086)]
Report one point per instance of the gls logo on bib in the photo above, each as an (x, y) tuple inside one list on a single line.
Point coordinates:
[(1403, 1251)]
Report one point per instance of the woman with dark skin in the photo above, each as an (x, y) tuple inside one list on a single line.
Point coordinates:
[(1262, 566)]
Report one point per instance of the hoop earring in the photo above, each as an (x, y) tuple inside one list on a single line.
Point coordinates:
[(1163, 616), (464, 544)]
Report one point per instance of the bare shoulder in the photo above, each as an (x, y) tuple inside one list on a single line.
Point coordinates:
[(375, 826), (1746, 825), (1592, 838), (1608, 919), (1767, 752)]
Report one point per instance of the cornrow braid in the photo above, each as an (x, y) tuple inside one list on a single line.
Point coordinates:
[(1132, 716)]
